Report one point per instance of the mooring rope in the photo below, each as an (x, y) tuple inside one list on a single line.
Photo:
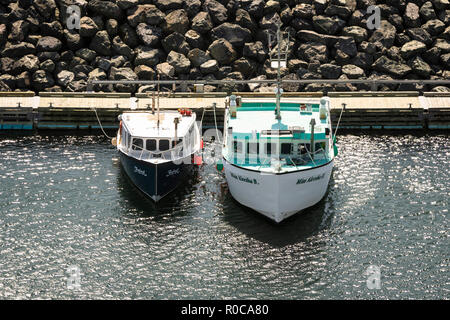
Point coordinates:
[(101, 127), (339, 121), (215, 123)]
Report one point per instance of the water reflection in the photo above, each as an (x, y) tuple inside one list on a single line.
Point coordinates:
[(295, 229)]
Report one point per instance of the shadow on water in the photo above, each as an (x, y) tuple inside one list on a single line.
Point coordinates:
[(297, 228), (135, 200)]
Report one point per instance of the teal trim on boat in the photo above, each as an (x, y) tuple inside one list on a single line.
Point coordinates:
[(279, 126), (267, 108), (16, 127), (301, 136)]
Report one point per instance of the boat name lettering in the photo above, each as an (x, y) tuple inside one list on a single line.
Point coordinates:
[(172, 172), (244, 179), (140, 171), (310, 179)]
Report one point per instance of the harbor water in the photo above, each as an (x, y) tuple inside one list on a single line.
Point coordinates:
[(66, 204)]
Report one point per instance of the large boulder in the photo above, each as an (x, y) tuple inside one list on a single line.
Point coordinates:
[(179, 62), (357, 33), (434, 27), (123, 74), (327, 25), (108, 9), (420, 67), (412, 48), (385, 35), (412, 16), (313, 52), (427, 11), (64, 77), (147, 56), (18, 50), (255, 50), (352, 71), (28, 63), (202, 22), (245, 66), (177, 21), (165, 70), (216, 10), (46, 8), (233, 33), (148, 34), (254, 7), (330, 71), (198, 57), (144, 72), (147, 13), (48, 44), (210, 66), (167, 5), (42, 80), (195, 39), (222, 51), (119, 47), (346, 45), (101, 43), (175, 42), (128, 35), (88, 28), (386, 65)]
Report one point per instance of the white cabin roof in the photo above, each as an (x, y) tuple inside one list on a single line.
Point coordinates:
[(144, 124), (252, 119)]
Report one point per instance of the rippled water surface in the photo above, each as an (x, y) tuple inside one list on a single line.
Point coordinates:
[(65, 201)]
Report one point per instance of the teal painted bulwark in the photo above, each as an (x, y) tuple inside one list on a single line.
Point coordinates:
[(301, 136), (16, 126)]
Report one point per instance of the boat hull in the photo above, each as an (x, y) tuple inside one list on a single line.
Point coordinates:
[(278, 196), (155, 180)]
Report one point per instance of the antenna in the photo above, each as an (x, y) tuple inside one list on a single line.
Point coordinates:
[(158, 102), (279, 62)]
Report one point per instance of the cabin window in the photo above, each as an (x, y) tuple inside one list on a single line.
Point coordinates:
[(253, 147), (286, 148), (179, 142), (319, 146), (303, 148), (128, 140), (270, 148), (150, 145), (164, 145), (237, 146), (138, 144)]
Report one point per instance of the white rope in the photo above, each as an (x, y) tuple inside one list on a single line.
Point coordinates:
[(101, 127), (339, 121), (215, 123)]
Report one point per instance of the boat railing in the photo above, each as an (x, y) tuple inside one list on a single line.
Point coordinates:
[(287, 159), (175, 153)]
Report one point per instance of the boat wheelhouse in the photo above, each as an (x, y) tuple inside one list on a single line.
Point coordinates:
[(278, 155), (157, 150)]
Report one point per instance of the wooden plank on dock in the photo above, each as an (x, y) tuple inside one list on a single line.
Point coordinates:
[(386, 103)]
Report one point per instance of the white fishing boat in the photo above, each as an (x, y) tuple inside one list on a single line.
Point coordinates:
[(278, 154), (158, 150)]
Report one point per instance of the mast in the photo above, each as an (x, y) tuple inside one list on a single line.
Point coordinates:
[(158, 103), (278, 93), (279, 61)]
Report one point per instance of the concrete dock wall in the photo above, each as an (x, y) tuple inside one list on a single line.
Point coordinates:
[(363, 110)]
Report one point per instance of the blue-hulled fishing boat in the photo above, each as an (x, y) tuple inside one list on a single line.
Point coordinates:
[(157, 150)]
